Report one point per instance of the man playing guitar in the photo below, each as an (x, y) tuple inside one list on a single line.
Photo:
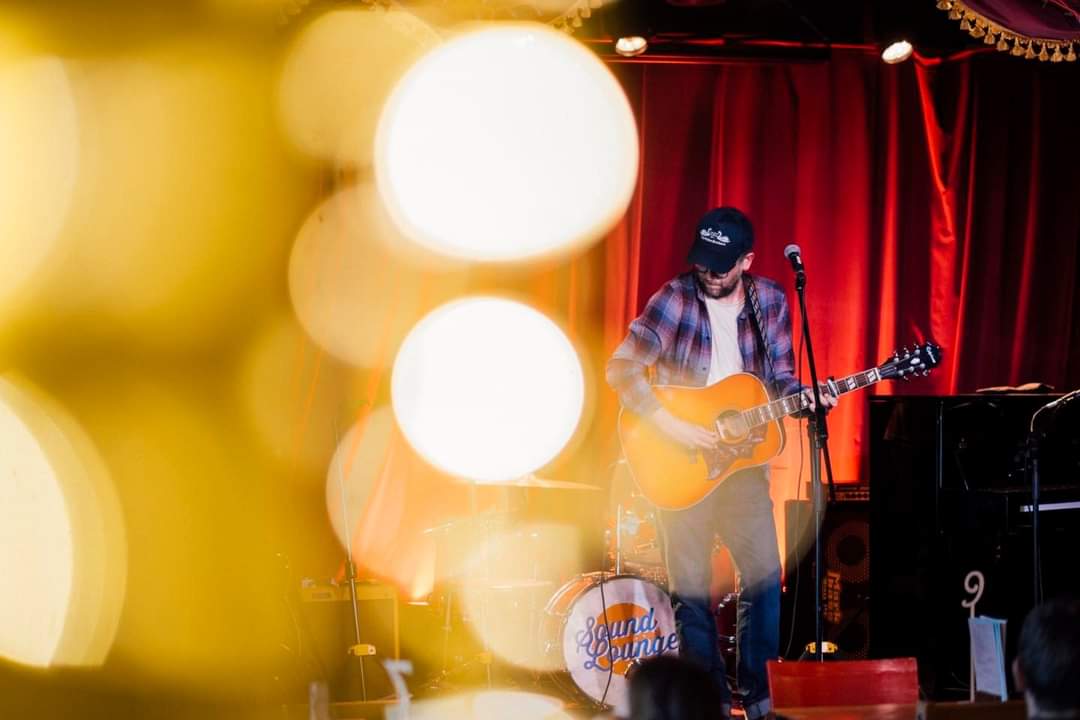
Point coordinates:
[(703, 326)]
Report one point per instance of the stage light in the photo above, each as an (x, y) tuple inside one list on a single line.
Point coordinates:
[(507, 143), (62, 548), (39, 144), (487, 389), (354, 295), (631, 46), (338, 74), (897, 52)]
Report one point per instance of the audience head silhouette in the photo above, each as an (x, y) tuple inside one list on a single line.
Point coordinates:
[(1047, 665), (667, 687)]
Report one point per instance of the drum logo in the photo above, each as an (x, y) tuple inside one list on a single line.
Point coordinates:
[(631, 632)]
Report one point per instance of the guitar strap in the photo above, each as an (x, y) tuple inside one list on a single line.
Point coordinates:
[(759, 328)]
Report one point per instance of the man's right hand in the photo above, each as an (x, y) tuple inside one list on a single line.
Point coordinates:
[(685, 433)]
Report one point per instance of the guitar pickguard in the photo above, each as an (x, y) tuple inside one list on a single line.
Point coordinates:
[(719, 459)]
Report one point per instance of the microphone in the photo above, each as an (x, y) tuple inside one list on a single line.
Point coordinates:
[(793, 253)]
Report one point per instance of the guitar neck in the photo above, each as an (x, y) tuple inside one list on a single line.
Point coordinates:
[(797, 402)]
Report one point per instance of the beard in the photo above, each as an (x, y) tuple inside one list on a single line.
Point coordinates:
[(724, 290)]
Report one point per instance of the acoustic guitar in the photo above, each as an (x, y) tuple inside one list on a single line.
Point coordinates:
[(674, 476)]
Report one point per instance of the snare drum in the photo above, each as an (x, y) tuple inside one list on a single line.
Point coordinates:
[(595, 632)]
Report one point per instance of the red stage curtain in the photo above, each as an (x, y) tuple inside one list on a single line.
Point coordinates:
[(931, 201)]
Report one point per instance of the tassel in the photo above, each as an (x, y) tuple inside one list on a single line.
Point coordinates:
[(586, 11), (965, 25), (955, 13), (1029, 54), (944, 5), (576, 21), (990, 39), (979, 30), (1018, 49), (1057, 56), (1003, 44), (1043, 55), (1071, 57)]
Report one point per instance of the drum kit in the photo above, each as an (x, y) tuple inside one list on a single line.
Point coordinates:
[(581, 631)]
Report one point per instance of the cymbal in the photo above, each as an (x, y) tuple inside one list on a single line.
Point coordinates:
[(532, 481)]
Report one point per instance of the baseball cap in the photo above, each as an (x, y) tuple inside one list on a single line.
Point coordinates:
[(723, 236)]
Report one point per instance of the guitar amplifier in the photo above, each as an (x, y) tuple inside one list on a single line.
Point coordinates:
[(326, 617), (845, 578)]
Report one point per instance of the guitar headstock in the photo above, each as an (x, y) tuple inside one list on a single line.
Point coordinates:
[(905, 363)]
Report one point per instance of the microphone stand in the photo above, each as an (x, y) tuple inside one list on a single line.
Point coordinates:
[(818, 433)]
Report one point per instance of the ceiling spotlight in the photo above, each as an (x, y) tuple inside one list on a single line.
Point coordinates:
[(631, 45), (898, 52)]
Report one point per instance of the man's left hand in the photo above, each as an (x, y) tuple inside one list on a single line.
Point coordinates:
[(828, 400)]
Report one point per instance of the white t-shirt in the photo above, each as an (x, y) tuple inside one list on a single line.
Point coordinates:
[(724, 321)]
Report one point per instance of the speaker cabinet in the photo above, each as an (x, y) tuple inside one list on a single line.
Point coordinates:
[(845, 580)]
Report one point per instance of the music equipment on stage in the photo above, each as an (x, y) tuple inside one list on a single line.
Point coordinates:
[(597, 625), (675, 477), (325, 616), (845, 576), (950, 494)]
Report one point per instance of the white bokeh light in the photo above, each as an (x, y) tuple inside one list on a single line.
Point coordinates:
[(63, 550), (487, 388), (507, 143)]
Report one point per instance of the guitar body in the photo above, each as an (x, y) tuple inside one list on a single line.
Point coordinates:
[(675, 477)]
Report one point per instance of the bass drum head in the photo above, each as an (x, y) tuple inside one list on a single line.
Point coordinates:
[(609, 626)]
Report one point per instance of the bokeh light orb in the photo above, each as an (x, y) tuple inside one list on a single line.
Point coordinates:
[(62, 539), (352, 293), (354, 470), (487, 388), (338, 74), (39, 141), (507, 143)]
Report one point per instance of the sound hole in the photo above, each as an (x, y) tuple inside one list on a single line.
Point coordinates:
[(732, 427)]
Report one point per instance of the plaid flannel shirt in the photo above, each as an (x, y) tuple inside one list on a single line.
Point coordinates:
[(673, 337)]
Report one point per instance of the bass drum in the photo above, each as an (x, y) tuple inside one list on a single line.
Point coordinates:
[(598, 624)]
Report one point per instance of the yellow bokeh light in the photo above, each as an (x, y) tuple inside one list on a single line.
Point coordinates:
[(507, 143), (487, 388), (352, 293), (62, 546), (299, 422), (338, 75), (490, 705), (506, 583), (353, 471), (185, 199), (198, 617), (39, 144)]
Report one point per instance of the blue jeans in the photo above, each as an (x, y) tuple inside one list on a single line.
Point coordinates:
[(740, 512)]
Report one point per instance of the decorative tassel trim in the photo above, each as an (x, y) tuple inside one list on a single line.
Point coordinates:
[(571, 20), (1000, 37)]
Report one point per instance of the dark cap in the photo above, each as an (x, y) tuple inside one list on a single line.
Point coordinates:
[(723, 236)]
